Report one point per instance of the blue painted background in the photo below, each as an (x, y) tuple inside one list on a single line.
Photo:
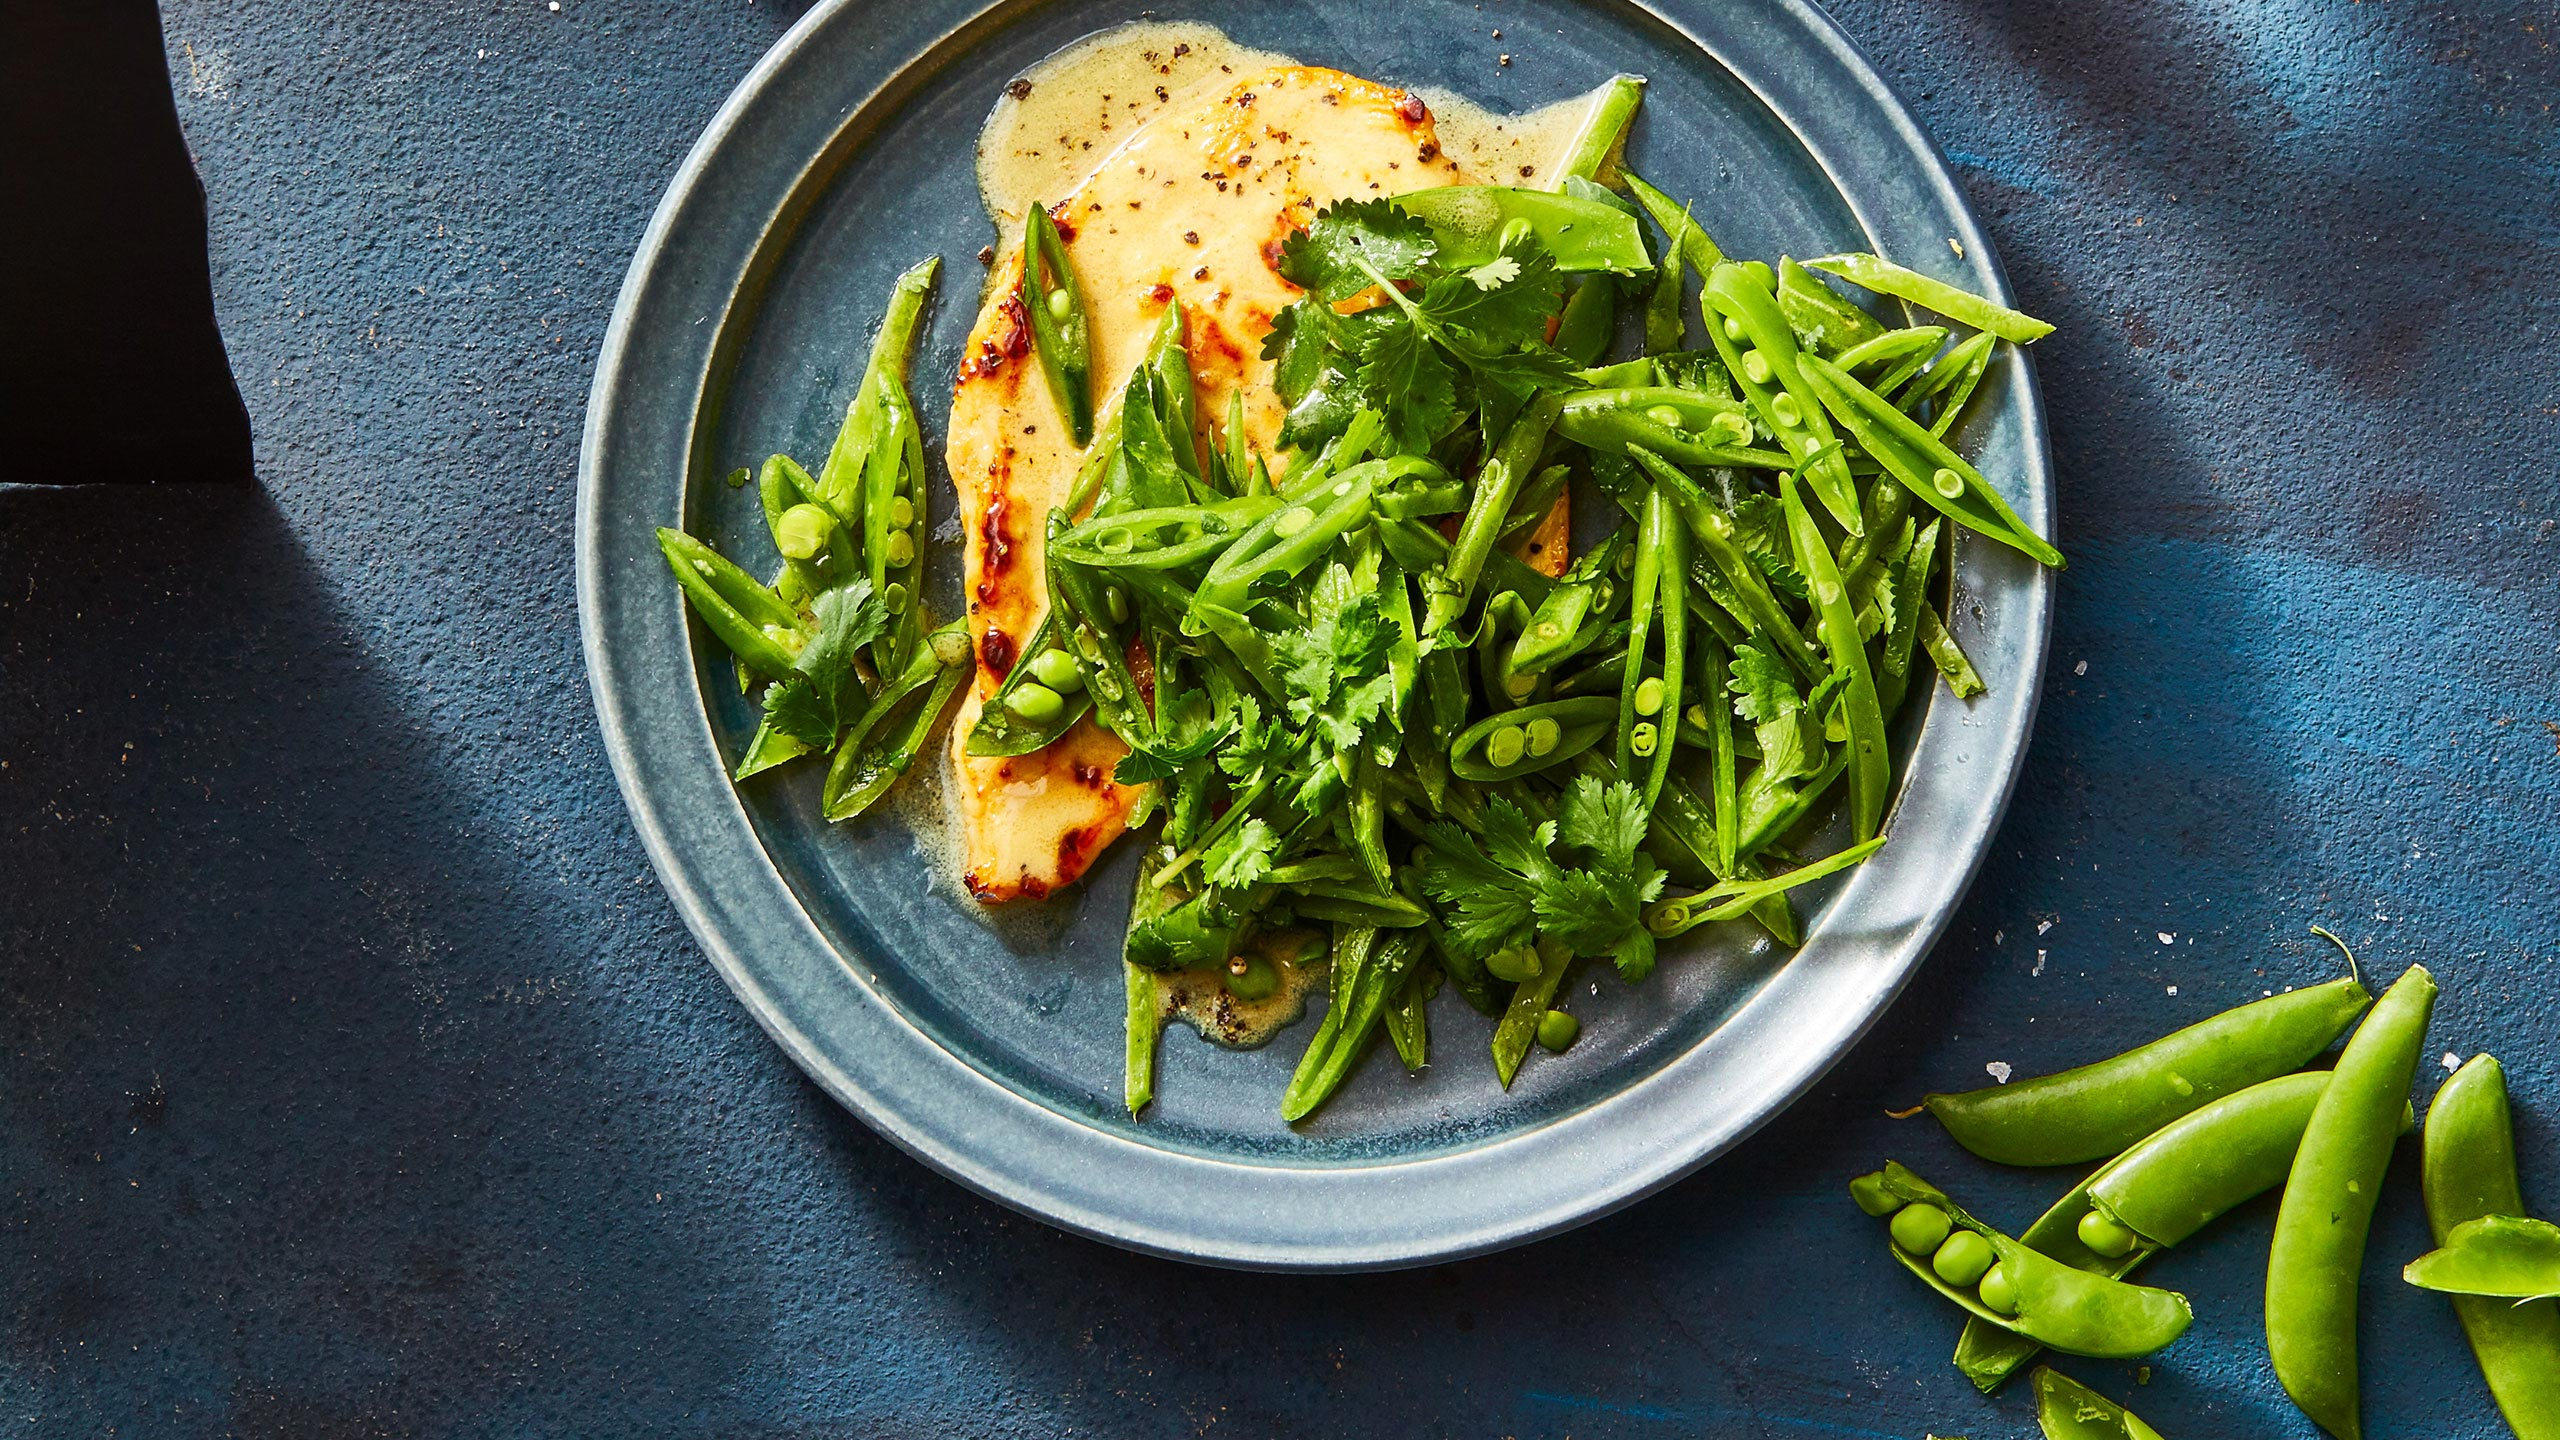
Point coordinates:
[(358, 1081)]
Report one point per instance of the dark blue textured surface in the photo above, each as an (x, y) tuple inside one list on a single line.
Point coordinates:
[(357, 1082)]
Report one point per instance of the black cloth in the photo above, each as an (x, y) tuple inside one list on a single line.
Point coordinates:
[(111, 368)]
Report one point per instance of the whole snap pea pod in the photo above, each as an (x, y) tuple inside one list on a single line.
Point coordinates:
[(1053, 301), (2101, 1109), (1742, 309), (1962, 306), (1689, 426), (2157, 1194), (2314, 1264), (2004, 1283), (2069, 1410), (2470, 1172), (1922, 462)]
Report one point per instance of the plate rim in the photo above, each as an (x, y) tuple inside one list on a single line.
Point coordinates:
[(977, 1131)]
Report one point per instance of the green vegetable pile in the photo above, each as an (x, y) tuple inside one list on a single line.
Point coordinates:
[(1368, 728), (2197, 1123)]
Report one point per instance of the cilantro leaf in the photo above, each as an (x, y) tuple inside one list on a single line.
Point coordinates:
[(1319, 259), (1763, 688), (1403, 376), (1760, 524), (1502, 303), (814, 705), (1243, 855), (1488, 907), (1334, 668), (1608, 820), (802, 709)]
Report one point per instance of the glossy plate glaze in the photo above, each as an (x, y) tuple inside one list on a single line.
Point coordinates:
[(992, 1050)]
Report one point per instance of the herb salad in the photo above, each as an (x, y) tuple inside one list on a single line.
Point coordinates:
[(1380, 720)]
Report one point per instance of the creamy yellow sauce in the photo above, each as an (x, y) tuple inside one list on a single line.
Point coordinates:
[(1199, 997)]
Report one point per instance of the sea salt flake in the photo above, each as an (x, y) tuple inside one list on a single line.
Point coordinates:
[(2043, 925), (2080, 669), (2173, 989), (1998, 1070), (2452, 1061), (2167, 938), (2039, 964)]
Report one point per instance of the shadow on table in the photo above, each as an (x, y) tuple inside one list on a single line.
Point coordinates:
[(267, 1138)]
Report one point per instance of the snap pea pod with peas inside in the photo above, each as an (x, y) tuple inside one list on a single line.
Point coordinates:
[(2157, 1194), (2006, 1284), (2315, 1262), (2101, 1109), (2469, 1175)]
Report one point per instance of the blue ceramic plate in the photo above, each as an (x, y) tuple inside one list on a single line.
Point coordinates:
[(992, 1051)]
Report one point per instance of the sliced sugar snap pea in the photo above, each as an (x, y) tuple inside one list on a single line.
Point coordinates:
[(2069, 1410), (1053, 302), (1962, 306)]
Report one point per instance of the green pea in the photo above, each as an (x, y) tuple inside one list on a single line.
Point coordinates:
[(1035, 704), (1519, 687), (1649, 696), (1920, 1228), (1543, 735), (1556, 1030), (1058, 670), (1697, 715), (1115, 541), (902, 550), (1251, 977), (1997, 1294), (1504, 745), (1293, 521), (1643, 738), (902, 512), (1625, 563), (1732, 328), (1732, 428), (1060, 302), (1784, 407), (1517, 964), (802, 531), (1664, 416), (1116, 603), (895, 597), (1947, 483), (2106, 1236), (1755, 366), (1872, 1197), (1963, 1258)]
